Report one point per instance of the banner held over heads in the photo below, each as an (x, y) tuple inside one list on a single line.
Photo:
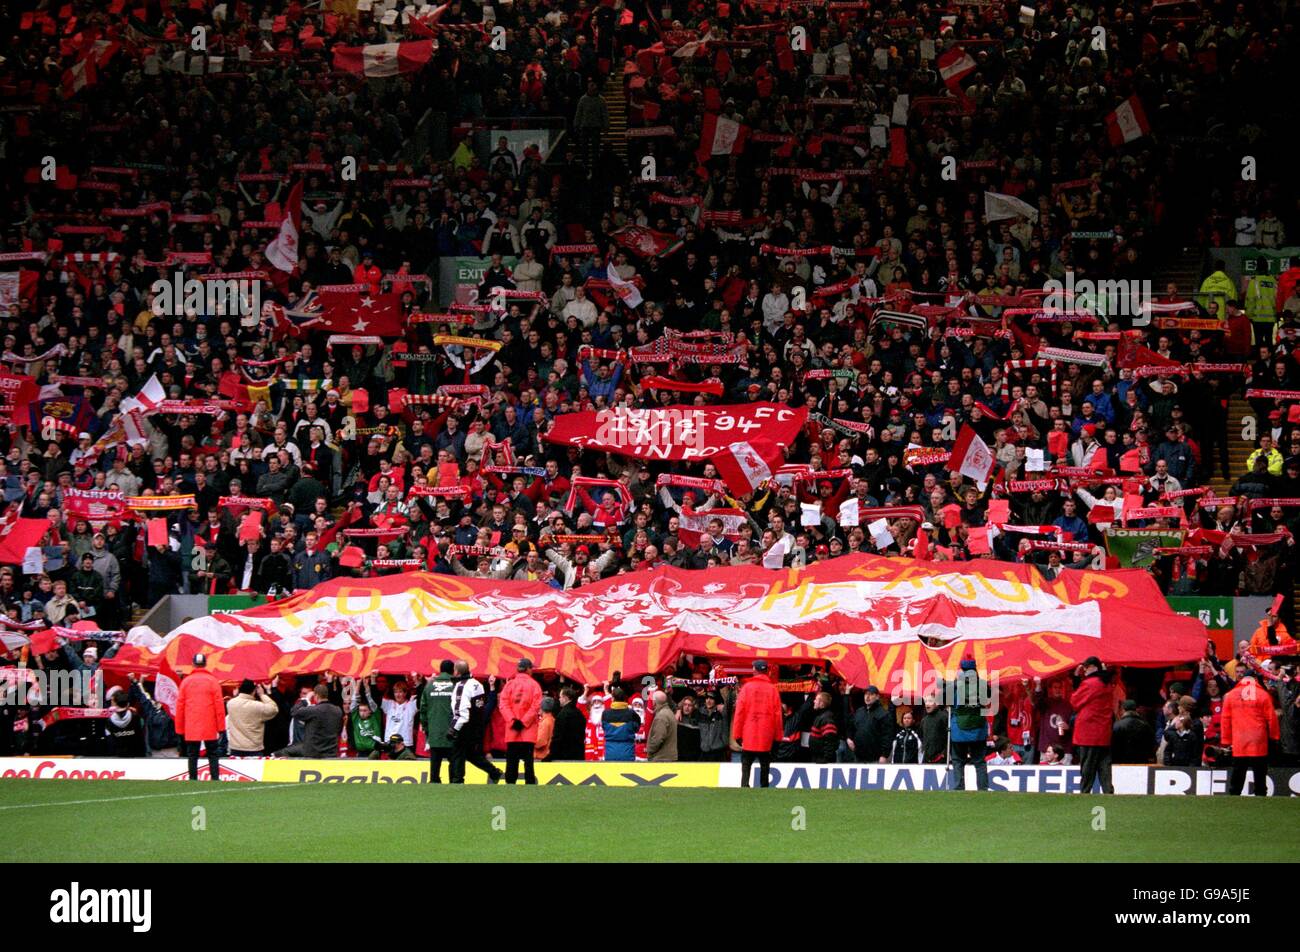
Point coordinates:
[(875, 619), (677, 432)]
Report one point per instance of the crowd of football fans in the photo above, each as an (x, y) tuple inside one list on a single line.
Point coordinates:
[(909, 318)]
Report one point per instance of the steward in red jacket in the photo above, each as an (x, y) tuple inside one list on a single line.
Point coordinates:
[(757, 723), (1249, 722), (1094, 716), (520, 704), (200, 717)]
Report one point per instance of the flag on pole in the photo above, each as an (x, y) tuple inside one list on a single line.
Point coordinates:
[(1127, 122), (383, 59), (283, 248), (971, 457)]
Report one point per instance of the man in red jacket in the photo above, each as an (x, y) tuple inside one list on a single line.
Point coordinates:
[(757, 724), (520, 704), (1094, 716), (1248, 723), (201, 717)]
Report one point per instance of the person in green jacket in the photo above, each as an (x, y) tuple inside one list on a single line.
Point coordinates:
[(365, 726), (435, 715)]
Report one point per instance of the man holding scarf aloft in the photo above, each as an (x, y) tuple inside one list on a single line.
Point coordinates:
[(521, 705)]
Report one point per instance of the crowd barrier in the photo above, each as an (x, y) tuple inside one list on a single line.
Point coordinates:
[(1128, 780)]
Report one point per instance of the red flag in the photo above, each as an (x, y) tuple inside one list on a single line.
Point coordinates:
[(746, 464), (351, 312), (954, 66), (922, 548), (646, 242), (898, 147), (43, 641)]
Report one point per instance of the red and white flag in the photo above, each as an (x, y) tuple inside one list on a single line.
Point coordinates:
[(424, 24), (955, 65), (645, 242), (383, 59), (627, 292), (747, 464), (148, 399), (693, 525), (1127, 122), (972, 457), (282, 251), (78, 76), (721, 136), (16, 287)]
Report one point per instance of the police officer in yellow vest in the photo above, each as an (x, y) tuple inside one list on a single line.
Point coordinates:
[(1261, 306)]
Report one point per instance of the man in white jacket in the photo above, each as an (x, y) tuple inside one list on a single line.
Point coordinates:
[(468, 720)]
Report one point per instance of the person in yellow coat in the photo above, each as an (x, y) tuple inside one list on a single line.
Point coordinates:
[(1217, 283)]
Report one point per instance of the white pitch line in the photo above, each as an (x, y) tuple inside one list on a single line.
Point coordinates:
[(226, 787)]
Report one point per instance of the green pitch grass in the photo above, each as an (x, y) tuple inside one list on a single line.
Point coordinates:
[(96, 821)]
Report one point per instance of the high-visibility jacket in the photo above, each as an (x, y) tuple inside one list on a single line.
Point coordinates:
[(1260, 299), (1219, 283)]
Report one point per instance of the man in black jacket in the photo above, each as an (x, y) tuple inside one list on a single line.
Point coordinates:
[(321, 722), (125, 728), (934, 733), (873, 729), (1132, 740), (569, 740)]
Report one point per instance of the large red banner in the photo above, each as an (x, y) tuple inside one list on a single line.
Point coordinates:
[(877, 620), (677, 432)]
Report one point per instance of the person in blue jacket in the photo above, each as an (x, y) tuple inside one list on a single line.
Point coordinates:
[(968, 729), (621, 724)]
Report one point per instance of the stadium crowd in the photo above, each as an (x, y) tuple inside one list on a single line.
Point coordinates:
[(812, 256)]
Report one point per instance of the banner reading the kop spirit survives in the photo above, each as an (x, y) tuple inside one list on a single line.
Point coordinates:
[(677, 432), (864, 614)]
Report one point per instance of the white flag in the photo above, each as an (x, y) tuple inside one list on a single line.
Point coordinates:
[(810, 513), (998, 207), (774, 557), (627, 292), (849, 511)]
